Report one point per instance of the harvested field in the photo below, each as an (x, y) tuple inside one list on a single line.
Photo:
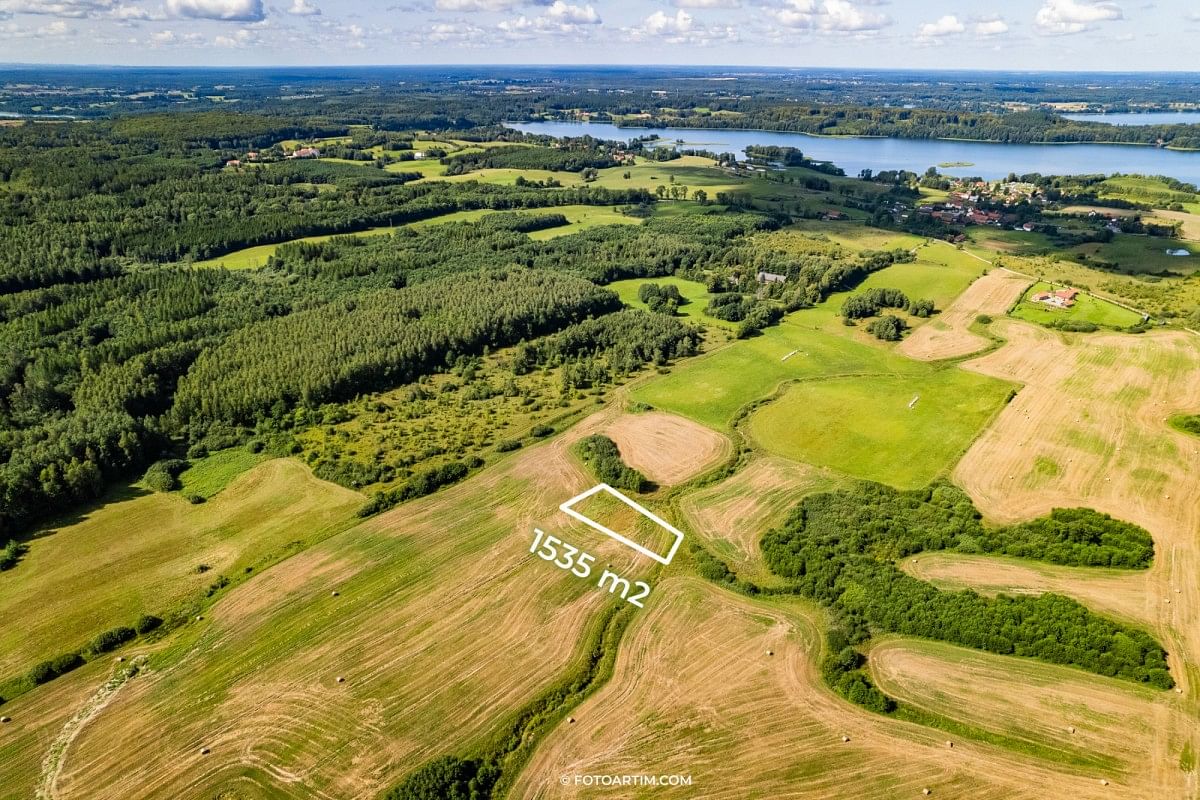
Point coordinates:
[(695, 693), (1116, 592), (139, 554), (443, 625), (1109, 729), (732, 516), (948, 334), (666, 448), (1090, 429)]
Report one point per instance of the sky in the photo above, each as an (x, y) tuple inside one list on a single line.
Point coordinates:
[(1121, 35)]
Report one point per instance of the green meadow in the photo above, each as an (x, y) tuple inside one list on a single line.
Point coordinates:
[(866, 427), (690, 290), (1087, 308), (847, 405)]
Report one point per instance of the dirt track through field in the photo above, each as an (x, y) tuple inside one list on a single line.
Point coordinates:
[(696, 693), (1089, 428), (666, 448), (947, 335)]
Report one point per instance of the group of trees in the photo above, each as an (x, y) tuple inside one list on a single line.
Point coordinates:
[(662, 298), (869, 303), (841, 548), (603, 458)]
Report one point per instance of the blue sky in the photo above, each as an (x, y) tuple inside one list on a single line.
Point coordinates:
[(1019, 34)]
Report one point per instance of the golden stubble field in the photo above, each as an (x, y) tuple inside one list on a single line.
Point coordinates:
[(434, 616), (1089, 428)]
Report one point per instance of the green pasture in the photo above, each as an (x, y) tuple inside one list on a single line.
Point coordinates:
[(864, 426), (1136, 255), (1087, 308), (207, 476)]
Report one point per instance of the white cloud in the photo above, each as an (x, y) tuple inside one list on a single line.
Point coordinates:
[(228, 10), (560, 19), (706, 3), (681, 28), (573, 15), (71, 9), (303, 8), (242, 38), (659, 23), (1059, 17), (948, 25), (833, 16), (990, 26), (484, 5)]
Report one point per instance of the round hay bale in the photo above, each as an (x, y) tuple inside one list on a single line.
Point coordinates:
[(570, 720), (6, 720), (770, 652), (340, 679), (120, 659), (1103, 782), (949, 743), (1071, 729), (199, 617), (845, 738), (204, 751), (927, 791), (334, 592)]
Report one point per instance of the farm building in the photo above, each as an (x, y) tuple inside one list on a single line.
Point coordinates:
[(306, 152), (770, 277), (1063, 298)]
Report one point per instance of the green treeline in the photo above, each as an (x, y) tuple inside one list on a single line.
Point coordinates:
[(572, 155), (1023, 127), (841, 548), (603, 458)]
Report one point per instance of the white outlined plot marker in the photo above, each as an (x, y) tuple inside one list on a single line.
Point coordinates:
[(567, 508)]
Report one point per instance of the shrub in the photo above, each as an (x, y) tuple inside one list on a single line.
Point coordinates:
[(541, 431), (887, 328), (163, 476), (111, 639), (984, 319), (11, 554), (195, 499), (146, 623), (507, 446)]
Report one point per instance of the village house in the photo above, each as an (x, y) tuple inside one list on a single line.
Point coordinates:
[(306, 152), (770, 277), (1063, 298), (833, 214)]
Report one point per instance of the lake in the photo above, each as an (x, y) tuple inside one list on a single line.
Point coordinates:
[(1149, 118), (990, 160)]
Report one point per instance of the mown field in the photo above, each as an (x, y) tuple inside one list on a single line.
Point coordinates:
[(140, 552)]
